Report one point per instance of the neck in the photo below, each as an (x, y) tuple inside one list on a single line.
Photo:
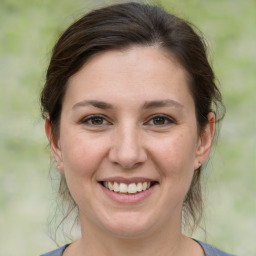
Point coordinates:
[(168, 241)]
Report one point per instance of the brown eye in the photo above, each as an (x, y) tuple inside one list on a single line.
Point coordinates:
[(95, 121), (160, 121)]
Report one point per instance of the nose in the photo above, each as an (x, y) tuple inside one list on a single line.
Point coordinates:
[(127, 148)]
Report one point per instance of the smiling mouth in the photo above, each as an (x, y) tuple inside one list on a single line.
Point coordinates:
[(131, 188)]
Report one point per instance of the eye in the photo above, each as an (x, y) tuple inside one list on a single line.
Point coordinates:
[(160, 120), (95, 120)]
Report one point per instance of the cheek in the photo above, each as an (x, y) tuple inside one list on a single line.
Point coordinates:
[(81, 155), (177, 151), (175, 157), (81, 159), (175, 160)]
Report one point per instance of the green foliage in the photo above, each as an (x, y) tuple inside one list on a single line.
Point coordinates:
[(29, 29)]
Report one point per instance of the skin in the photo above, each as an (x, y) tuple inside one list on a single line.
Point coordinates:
[(146, 127)]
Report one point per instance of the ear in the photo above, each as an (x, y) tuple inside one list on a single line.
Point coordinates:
[(54, 144), (205, 141)]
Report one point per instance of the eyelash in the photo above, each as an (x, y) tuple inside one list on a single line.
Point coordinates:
[(163, 117), (90, 119)]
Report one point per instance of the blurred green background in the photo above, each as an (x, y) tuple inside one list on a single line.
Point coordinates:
[(29, 29)]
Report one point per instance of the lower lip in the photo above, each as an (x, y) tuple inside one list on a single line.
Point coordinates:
[(128, 198)]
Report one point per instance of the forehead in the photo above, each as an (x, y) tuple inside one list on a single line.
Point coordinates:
[(144, 57), (146, 71)]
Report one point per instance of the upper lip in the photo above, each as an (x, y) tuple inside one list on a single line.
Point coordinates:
[(127, 180)]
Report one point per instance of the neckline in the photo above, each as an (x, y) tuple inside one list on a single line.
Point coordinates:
[(197, 241)]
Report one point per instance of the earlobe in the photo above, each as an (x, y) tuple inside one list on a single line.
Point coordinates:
[(205, 141), (54, 145)]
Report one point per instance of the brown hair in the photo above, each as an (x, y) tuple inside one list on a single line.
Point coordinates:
[(120, 26)]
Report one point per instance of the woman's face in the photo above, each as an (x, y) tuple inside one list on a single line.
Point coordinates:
[(128, 141)]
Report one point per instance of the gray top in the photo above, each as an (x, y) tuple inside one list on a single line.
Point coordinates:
[(209, 250)]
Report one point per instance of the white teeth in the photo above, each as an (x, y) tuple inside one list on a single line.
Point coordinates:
[(139, 186), (131, 188), (123, 188), (144, 185), (116, 187), (110, 186)]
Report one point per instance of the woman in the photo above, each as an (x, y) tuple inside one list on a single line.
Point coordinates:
[(130, 108)]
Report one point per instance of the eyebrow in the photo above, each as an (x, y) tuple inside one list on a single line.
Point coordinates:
[(94, 103), (162, 103), (146, 105)]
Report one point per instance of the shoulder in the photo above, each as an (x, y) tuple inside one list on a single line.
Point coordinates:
[(213, 251), (57, 252)]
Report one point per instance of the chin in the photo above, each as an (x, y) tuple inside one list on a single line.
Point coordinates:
[(129, 232), (130, 226)]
